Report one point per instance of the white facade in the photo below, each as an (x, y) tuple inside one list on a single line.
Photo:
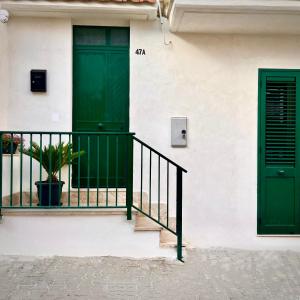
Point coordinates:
[(3, 73), (212, 79)]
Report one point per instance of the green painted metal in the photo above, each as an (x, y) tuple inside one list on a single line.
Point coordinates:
[(68, 132), (101, 100), (88, 168), (117, 168), (103, 141), (21, 170), (154, 219), (50, 168), (65, 207), (30, 176), (11, 170), (148, 213), (159, 154), (129, 179), (59, 159), (41, 164), (158, 189), (1, 168), (279, 152), (69, 170), (179, 213), (30, 138), (168, 191), (150, 183), (78, 169), (142, 164), (98, 168), (107, 168)]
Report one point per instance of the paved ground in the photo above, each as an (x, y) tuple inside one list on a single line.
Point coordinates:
[(207, 274)]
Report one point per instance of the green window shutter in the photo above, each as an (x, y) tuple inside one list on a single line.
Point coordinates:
[(280, 127), (278, 167)]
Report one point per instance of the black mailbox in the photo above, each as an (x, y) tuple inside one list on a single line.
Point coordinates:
[(38, 80)]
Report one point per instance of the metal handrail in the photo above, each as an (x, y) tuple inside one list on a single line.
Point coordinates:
[(67, 132), (158, 153)]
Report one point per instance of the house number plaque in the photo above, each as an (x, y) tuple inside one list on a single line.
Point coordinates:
[(140, 52)]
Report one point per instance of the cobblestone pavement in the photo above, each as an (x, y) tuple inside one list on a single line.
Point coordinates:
[(207, 274)]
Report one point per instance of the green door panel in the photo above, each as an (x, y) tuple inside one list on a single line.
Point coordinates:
[(278, 153), (103, 164), (101, 104), (89, 90), (279, 210)]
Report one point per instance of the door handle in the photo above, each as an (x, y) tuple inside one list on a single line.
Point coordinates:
[(281, 172), (100, 125)]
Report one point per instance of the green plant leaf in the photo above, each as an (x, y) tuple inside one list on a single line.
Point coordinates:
[(53, 157)]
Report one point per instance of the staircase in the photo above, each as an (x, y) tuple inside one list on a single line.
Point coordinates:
[(141, 222), (98, 183)]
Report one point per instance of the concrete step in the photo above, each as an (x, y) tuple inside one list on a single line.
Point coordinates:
[(154, 209), (168, 239), (109, 198), (143, 223), (64, 212)]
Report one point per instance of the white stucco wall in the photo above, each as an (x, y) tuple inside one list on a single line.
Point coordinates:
[(40, 44), (85, 235), (3, 74), (211, 79)]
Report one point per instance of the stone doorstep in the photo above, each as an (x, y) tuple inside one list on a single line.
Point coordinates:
[(74, 198), (65, 212)]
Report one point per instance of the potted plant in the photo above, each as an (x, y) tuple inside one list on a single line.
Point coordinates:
[(10, 143), (58, 156)]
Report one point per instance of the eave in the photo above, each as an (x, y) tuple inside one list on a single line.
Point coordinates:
[(236, 16), (78, 10)]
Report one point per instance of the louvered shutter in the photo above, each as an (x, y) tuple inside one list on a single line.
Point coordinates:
[(278, 168), (280, 121)]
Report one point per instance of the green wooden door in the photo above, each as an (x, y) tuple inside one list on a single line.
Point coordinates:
[(279, 154), (100, 103)]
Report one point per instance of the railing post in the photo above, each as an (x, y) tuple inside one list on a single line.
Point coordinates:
[(1, 154), (129, 180), (179, 213)]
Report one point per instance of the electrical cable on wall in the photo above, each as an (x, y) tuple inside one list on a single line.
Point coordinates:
[(162, 24)]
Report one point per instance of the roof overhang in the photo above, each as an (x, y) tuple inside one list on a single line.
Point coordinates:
[(236, 16), (91, 10)]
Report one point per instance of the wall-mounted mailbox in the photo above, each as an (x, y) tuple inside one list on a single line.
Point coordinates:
[(38, 80), (179, 132)]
